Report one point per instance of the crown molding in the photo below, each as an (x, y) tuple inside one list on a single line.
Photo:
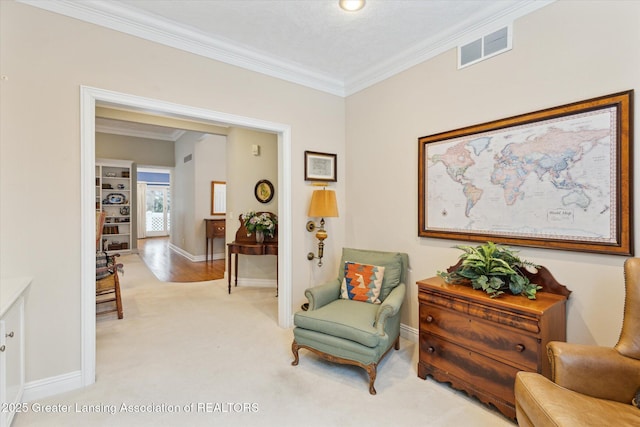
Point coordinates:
[(120, 18), (116, 130), (116, 17), (430, 48)]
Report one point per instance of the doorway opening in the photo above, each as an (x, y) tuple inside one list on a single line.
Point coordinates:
[(157, 211), (89, 98), (154, 200)]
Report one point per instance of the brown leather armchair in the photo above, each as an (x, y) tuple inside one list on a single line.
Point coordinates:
[(590, 385)]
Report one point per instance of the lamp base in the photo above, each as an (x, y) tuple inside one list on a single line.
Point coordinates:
[(321, 235)]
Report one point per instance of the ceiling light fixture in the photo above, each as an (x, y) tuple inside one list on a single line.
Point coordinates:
[(351, 5)]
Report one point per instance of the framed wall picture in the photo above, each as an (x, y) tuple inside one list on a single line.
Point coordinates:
[(320, 166), (264, 191), (218, 197), (557, 178)]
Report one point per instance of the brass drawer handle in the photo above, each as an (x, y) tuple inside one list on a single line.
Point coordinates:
[(519, 348), (429, 319)]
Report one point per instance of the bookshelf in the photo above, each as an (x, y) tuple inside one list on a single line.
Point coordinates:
[(113, 196)]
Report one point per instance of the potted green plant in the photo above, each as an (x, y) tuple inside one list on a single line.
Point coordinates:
[(492, 268)]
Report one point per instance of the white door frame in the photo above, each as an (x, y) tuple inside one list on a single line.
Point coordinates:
[(88, 98)]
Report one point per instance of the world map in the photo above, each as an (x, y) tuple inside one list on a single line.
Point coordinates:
[(550, 179)]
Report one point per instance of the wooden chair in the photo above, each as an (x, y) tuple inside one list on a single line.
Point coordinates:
[(107, 280)]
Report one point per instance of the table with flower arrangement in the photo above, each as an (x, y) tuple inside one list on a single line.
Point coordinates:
[(245, 244)]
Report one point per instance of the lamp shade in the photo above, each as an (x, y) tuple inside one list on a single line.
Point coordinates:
[(323, 204)]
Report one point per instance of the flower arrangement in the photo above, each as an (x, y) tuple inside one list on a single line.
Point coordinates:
[(259, 222), (494, 269)]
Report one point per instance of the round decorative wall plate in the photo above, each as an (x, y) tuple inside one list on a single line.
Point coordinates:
[(264, 191), (115, 199)]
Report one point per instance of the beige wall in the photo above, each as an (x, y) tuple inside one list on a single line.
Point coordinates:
[(247, 170), (191, 197), (565, 52), (142, 151), (184, 193), (211, 165), (46, 58)]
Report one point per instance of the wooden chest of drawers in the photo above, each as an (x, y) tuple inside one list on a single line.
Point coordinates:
[(478, 343)]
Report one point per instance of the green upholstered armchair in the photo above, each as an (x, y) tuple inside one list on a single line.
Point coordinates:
[(354, 332)]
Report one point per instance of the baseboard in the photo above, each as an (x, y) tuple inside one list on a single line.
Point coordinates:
[(194, 258), (257, 283), (203, 258), (408, 333), (35, 390)]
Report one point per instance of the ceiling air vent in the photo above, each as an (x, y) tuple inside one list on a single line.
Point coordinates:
[(485, 47)]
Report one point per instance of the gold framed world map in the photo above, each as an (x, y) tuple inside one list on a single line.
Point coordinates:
[(556, 178)]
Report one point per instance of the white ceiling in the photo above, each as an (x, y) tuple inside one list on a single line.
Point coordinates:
[(310, 42)]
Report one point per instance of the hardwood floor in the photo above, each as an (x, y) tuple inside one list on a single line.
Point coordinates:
[(169, 266)]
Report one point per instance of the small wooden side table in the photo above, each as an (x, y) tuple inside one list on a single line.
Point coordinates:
[(215, 230)]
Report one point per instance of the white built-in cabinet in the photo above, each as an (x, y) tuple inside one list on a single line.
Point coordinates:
[(12, 304), (113, 196)]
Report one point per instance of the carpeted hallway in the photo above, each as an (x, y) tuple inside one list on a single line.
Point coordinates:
[(189, 354)]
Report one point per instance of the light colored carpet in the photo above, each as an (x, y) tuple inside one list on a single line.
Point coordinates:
[(202, 357)]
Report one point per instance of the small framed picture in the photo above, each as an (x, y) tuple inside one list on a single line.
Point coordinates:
[(320, 166), (264, 191)]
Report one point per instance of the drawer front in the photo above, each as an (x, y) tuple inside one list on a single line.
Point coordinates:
[(478, 309), (216, 228), (480, 372), (486, 337)]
